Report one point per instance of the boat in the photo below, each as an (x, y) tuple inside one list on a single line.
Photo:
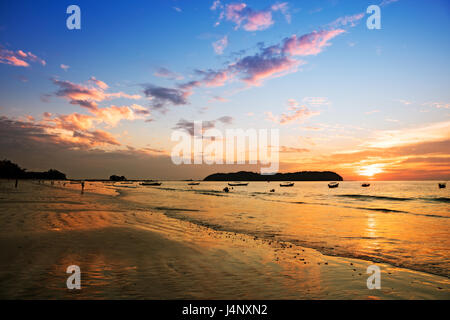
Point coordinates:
[(151, 183), (226, 189), (442, 185), (333, 185), (238, 184), (193, 184), (288, 184), (365, 185)]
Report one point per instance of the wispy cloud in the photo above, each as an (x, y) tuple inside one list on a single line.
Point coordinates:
[(189, 126), (168, 74), (64, 67), (19, 58), (220, 45), (87, 95), (247, 18), (296, 113)]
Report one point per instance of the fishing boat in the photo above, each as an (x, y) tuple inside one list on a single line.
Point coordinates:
[(288, 184), (442, 185), (238, 184), (333, 185), (151, 183), (193, 184), (365, 185)]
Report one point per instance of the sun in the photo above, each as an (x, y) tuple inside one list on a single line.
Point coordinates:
[(370, 170)]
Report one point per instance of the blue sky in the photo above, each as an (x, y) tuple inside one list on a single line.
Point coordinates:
[(354, 89)]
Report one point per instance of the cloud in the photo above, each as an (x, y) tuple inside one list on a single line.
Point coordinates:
[(87, 95), (213, 78), (64, 67), (387, 2), (297, 113), (269, 61), (218, 98), (311, 43), (391, 138), (220, 45), (162, 96), (188, 126), (439, 105), (283, 7), (19, 58), (316, 101), (177, 9), (285, 149), (247, 18), (23, 135), (264, 65), (347, 20), (226, 119), (166, 73)]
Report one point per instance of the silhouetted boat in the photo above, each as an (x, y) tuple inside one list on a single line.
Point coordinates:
[(442, 185), (226, 189), (151, 183), (365, 185), (288, 184), (333, 185), (240, 184), (193, 184)]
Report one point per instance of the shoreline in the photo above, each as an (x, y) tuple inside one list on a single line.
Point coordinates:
[(126, 251)]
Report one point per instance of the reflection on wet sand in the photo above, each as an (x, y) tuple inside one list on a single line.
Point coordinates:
[(126, 251)]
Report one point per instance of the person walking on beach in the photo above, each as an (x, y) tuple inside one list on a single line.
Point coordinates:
[(82, 187)]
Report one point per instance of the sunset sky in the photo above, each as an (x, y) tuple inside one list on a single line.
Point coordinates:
[(367, 104)]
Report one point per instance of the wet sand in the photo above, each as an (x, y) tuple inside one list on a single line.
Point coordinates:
[(126, 251)]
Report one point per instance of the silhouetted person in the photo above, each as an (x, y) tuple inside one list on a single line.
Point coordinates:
[(17, 181), (82, 187)]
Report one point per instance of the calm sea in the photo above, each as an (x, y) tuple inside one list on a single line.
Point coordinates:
[(405, 224)]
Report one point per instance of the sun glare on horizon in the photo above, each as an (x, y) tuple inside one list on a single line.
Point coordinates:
[(370, 170)]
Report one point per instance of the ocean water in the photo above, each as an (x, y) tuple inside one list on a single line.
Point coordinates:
[(405, 224)]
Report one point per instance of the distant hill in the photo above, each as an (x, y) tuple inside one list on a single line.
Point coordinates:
[(10, 170), (294, 176)]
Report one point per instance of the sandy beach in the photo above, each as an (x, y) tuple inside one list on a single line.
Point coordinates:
[(128, 252)]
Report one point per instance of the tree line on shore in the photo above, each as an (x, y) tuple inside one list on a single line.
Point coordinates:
[(11, 170)]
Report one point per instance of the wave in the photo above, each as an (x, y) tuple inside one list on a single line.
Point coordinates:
[(440, 199), (367, 197)]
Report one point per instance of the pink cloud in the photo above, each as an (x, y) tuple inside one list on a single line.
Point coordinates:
[(220, 45), (350, 20), (257, 21), (249, 19), (266, 65), (311, 43), (296, 114), (19, 58), (87, 95)]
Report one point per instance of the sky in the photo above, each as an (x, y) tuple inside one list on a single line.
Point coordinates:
[(369, 104)]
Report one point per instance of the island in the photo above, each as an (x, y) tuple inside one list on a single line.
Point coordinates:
[(293, 176), (10, 170)]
